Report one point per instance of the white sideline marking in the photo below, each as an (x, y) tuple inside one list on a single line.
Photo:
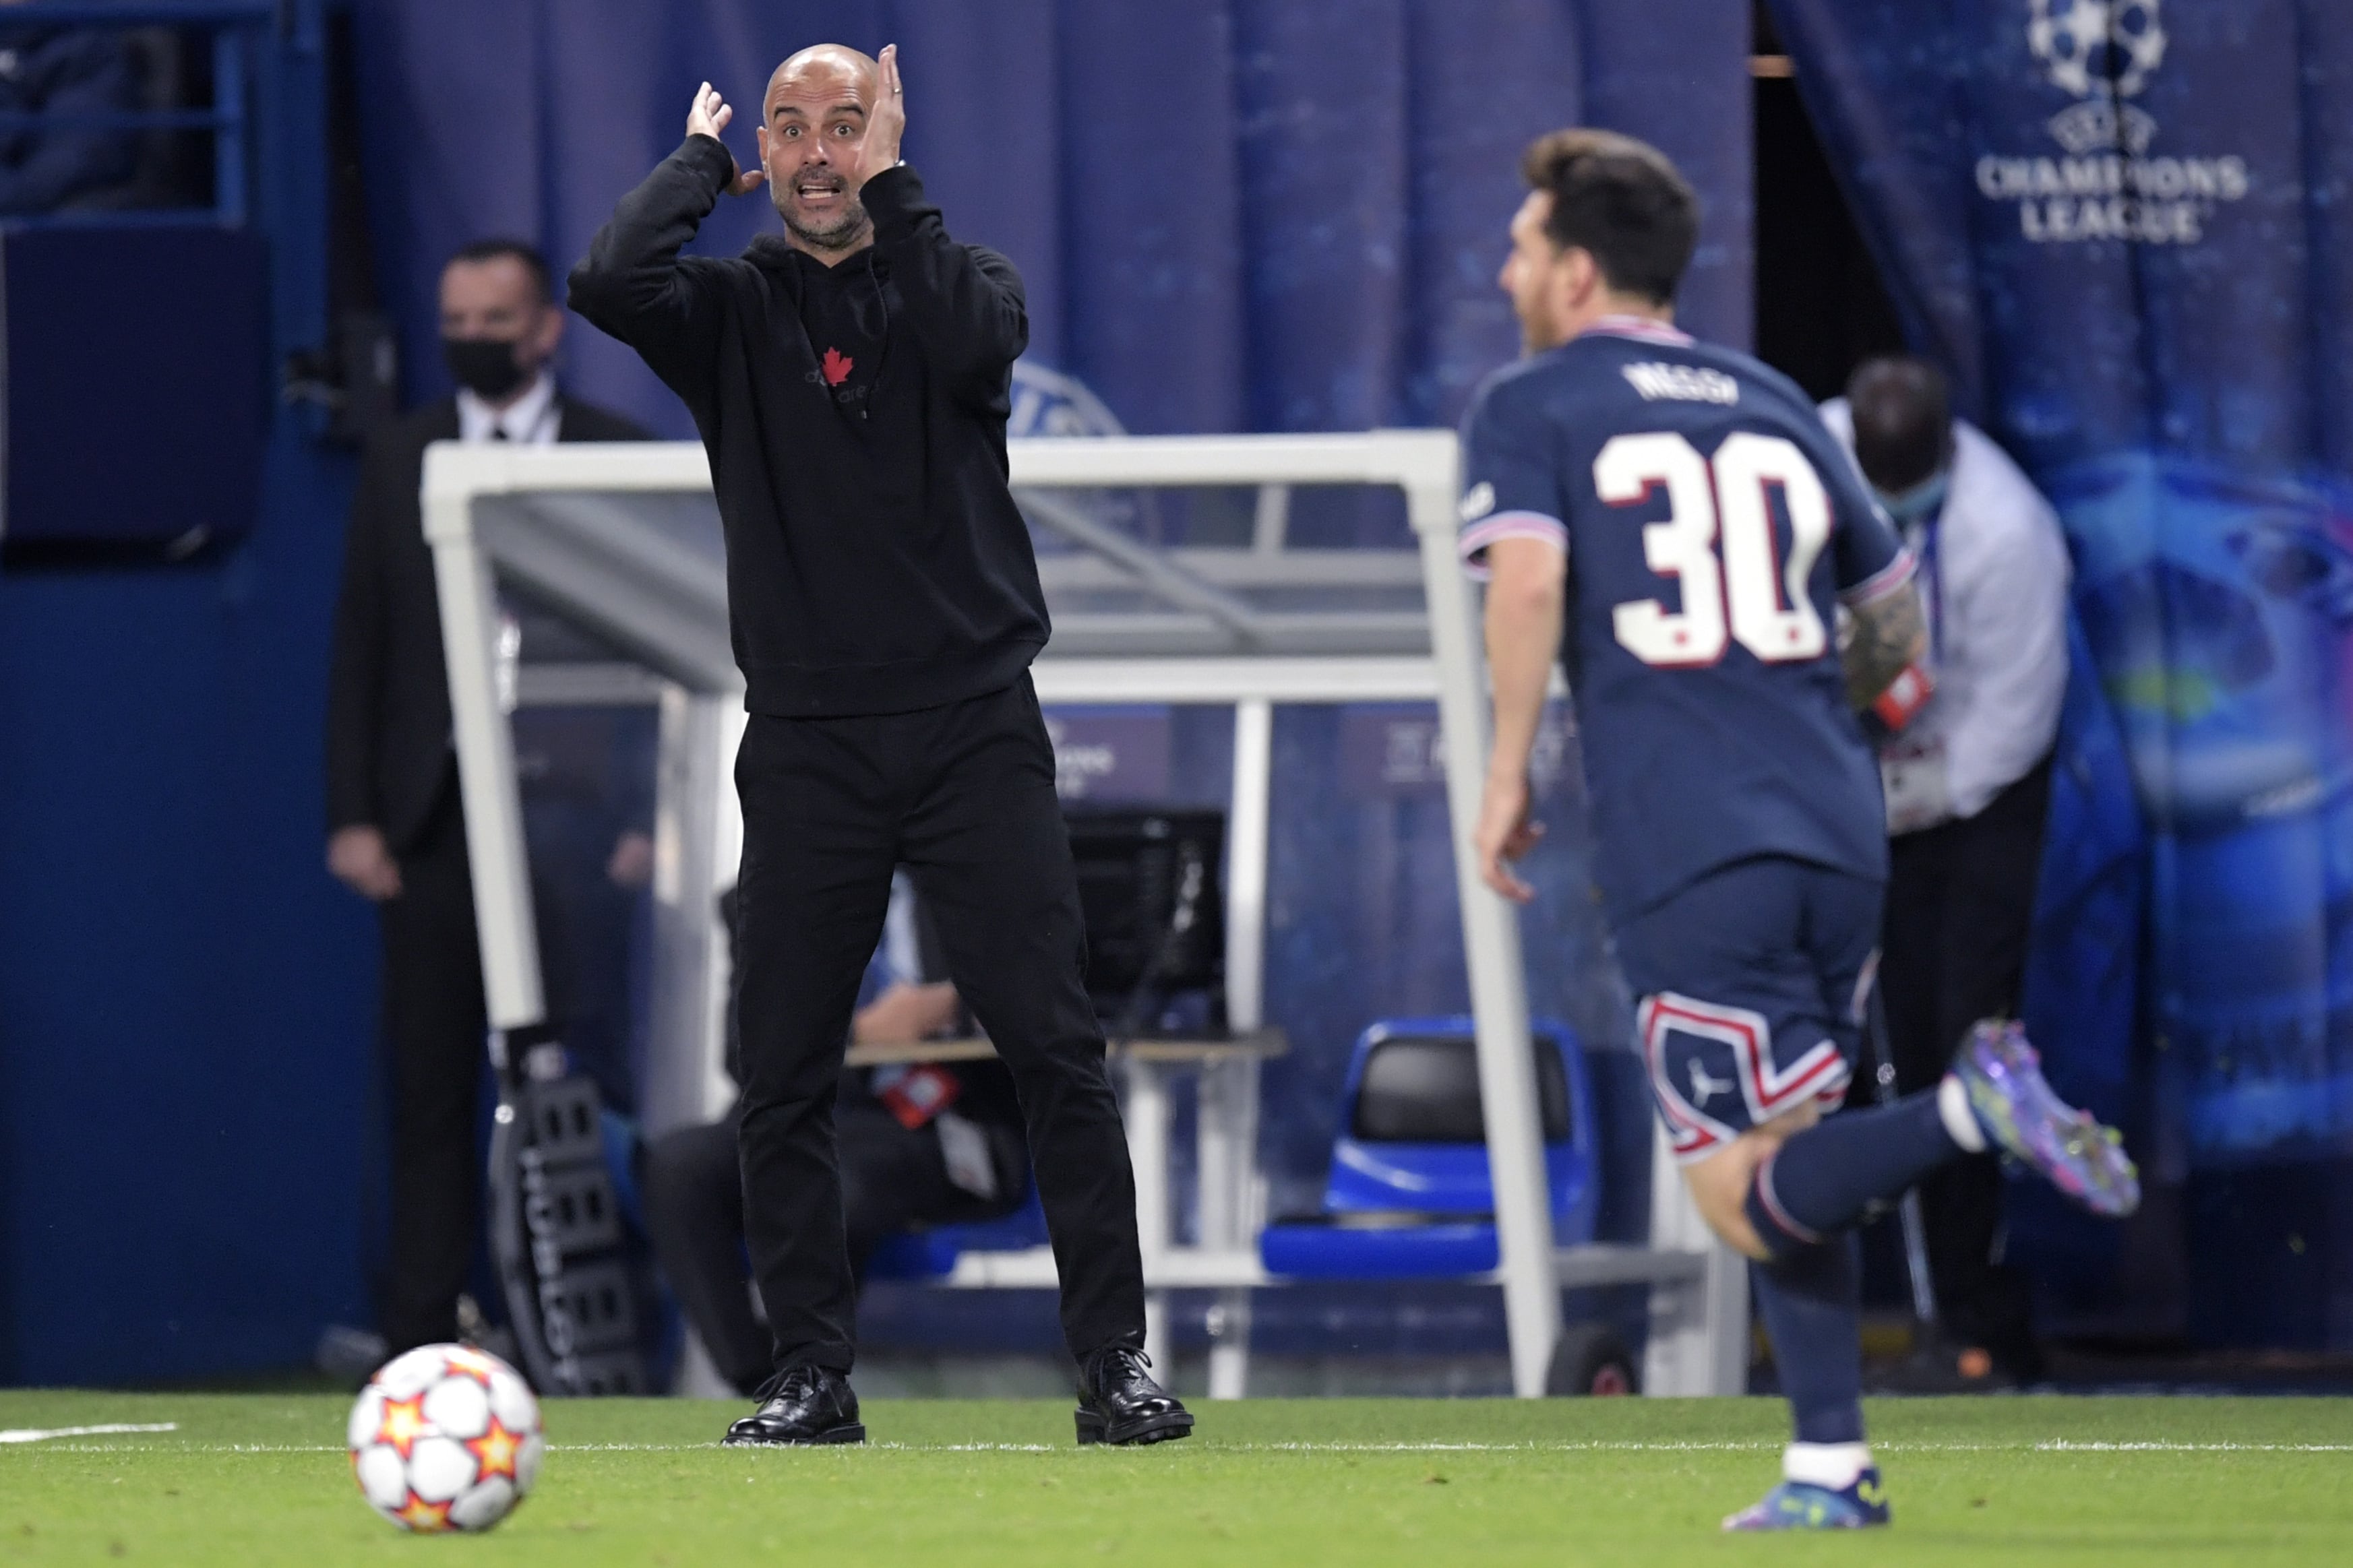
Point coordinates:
[(2052, 1446), (2069, 1445), (42, 1434), (2048, 1445)]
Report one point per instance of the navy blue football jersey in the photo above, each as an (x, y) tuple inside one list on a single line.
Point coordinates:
[(1712, 526)]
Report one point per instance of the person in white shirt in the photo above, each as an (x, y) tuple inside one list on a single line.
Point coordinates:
[(1968, 777)]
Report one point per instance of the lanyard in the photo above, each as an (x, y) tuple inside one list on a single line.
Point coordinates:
[(1932, 572)]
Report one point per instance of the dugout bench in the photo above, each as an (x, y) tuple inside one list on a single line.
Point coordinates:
[(623, 542)]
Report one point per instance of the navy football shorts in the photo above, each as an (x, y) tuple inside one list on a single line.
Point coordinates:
[(1751, 986)]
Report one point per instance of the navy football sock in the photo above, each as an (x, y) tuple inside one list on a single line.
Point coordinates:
[(1811, 1301), (1824, 1180)]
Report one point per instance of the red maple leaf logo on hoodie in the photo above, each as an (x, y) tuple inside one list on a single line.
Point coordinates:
[(836, 367)]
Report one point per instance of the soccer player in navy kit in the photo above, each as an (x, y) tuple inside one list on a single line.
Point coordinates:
[(1673, 520)]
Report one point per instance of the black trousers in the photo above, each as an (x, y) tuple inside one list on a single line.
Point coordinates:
[(434, 1033), (1961, 902), (964, 796), (893, 1177)]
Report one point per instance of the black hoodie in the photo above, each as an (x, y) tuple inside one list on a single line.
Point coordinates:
[(855, 419)]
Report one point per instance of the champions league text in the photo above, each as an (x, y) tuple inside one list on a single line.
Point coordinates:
[(2159, 201)]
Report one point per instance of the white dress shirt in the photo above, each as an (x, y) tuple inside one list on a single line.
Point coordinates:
[(901, 951), (531, 420), (1994, 581)]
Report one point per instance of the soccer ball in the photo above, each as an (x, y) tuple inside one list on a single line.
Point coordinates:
[(445, 1437)]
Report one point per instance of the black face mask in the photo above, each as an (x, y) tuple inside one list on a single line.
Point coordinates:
[(484, 366)]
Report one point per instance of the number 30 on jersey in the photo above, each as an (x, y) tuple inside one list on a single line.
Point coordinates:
[(1716, 540)]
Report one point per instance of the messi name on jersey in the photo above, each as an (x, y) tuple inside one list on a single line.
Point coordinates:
[(1683, 382)]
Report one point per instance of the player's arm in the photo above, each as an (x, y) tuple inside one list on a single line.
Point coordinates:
[(631, 283), (1886, 630), (1889, 634), (1527, 593), (964, 302)]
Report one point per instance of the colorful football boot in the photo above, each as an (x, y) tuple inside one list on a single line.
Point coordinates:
[(1799, 1505), (2023, 1117)]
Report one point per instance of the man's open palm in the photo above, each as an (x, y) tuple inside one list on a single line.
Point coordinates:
[(888, 120), (709, 117)]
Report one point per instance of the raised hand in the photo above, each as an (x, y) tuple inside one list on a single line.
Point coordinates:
[(709, 117), (887, 121)]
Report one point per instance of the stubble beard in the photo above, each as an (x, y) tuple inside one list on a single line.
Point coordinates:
[(842, 233)]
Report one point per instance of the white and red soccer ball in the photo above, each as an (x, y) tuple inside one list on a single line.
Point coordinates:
[(445, 1437)]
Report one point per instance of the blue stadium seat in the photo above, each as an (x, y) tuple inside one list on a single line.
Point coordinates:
[(1409, 1196), (930, 1254)]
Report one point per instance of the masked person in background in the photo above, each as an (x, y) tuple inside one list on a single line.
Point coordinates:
[(1966, 762), (396, 834)]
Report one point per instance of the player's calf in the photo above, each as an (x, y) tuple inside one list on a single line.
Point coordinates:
[(1810, 1301), (1808, 1293), (1823, 1181), (1826, 1180), (1790, 1195)]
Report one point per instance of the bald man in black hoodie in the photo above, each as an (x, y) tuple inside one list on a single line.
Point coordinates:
[(850, 383)]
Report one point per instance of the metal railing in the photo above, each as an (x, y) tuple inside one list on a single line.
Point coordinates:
[(233, 25)]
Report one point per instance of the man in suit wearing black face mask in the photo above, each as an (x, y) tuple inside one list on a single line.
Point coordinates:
[(397, 836)]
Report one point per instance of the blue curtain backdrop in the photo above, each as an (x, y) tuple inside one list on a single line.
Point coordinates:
[(2121, 227), (1231, 215)]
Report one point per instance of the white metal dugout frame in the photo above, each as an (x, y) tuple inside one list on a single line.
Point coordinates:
[(665, 606)]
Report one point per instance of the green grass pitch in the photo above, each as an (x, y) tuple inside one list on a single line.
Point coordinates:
[(252, 1481)]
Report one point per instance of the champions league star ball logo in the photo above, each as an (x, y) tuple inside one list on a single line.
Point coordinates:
[(2110, 186), (2102, 52), (2083, 44)]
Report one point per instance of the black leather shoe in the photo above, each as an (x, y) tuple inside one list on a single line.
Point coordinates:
[(801, 1405), (1118, 1403)]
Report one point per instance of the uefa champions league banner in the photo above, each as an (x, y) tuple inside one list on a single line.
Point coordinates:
[(2127, 226)]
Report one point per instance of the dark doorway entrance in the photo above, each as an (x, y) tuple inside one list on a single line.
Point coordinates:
[(1820, 307)]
